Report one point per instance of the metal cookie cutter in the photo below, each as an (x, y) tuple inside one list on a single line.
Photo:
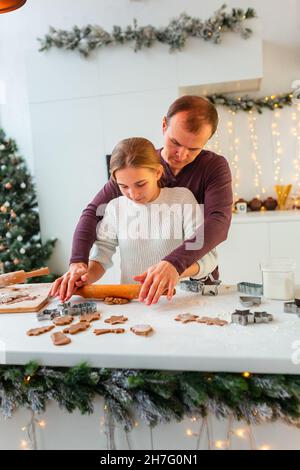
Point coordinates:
[(242, 317), (48, 314), (262, 317), (250, 301), (67, 309), (291, 307), (78, 309), (245, 317), (250, 288), (201, 285)]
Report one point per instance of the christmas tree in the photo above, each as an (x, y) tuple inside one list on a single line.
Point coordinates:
[(20, 239)]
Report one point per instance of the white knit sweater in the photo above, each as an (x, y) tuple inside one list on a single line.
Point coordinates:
[(146, 233)]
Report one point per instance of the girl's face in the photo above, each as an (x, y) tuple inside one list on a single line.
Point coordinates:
[(139, 184)]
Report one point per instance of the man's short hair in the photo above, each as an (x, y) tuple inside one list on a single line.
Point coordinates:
[(199, 111)]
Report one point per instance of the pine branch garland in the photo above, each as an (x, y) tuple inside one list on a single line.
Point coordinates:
[(247, 104), (155, 396), (175, 34)]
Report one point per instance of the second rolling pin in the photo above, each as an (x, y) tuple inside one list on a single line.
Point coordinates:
[(19, 277)]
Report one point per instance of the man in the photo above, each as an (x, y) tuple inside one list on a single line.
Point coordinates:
[(190, 122)]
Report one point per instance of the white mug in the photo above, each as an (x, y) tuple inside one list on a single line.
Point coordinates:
[(241, 207)]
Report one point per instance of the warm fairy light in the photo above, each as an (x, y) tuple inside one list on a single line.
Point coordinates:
[(278, 150), (42, 423), (220, 444), (254, 156), (136, 424), (295, 131), (246, 375), (23, 444), (193, 419), (27, 379), (234, 153), (189, 432), (240, 433), (265, 447), (23, 428)]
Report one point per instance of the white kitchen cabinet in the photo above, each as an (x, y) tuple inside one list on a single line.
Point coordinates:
[(254, 236)]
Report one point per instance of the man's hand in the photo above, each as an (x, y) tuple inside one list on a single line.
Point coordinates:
[(66, 285), (156, 280)]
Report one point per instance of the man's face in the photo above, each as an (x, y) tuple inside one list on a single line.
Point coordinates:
[(182, 147)]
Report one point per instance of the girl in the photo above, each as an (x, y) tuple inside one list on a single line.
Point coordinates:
[(148, 221)]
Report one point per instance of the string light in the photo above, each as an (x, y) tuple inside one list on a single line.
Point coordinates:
[(295, 131), (42, 423), (221, 444), (24, 444), (246, 375), (278, 150), (234, 153), (240, 433), (254, 156), (264, 447), (27, 379)]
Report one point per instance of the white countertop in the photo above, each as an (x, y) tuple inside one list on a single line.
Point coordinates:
[(264, 348)]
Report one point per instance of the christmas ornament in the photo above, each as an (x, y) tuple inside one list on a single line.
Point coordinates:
[(19, 216), (270, 204), (255, 204)]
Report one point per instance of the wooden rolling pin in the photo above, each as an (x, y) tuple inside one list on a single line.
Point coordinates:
[(98, 291), (19, 277)]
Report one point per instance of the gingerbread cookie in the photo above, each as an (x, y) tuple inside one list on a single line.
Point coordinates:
[(186, 317), (212, 321), (115, 319), (142, 330), (77, 328), (115, 301), (104, 331), (59, 339), (66, 320), (89, 317), (40, 331)]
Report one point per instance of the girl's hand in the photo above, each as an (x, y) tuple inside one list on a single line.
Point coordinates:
[(66, 285), (160, 278)]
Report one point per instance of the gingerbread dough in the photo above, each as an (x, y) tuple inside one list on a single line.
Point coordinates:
[(115, 319), (104, 331), (40, 331), (142, 330), (77, 328), (59, 339)]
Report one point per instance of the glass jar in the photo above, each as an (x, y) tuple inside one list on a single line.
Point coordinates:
[(278, 276)]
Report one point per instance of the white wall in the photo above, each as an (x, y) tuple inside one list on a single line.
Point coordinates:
[(51, 135)]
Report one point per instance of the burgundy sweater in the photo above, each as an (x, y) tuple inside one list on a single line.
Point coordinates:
[(209, 179)]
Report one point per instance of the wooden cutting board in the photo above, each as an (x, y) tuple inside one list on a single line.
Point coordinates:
[(38, 292)]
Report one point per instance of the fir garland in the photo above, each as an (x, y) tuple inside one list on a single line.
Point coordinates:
[(175, 34), (247, 104), (155, 396)]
